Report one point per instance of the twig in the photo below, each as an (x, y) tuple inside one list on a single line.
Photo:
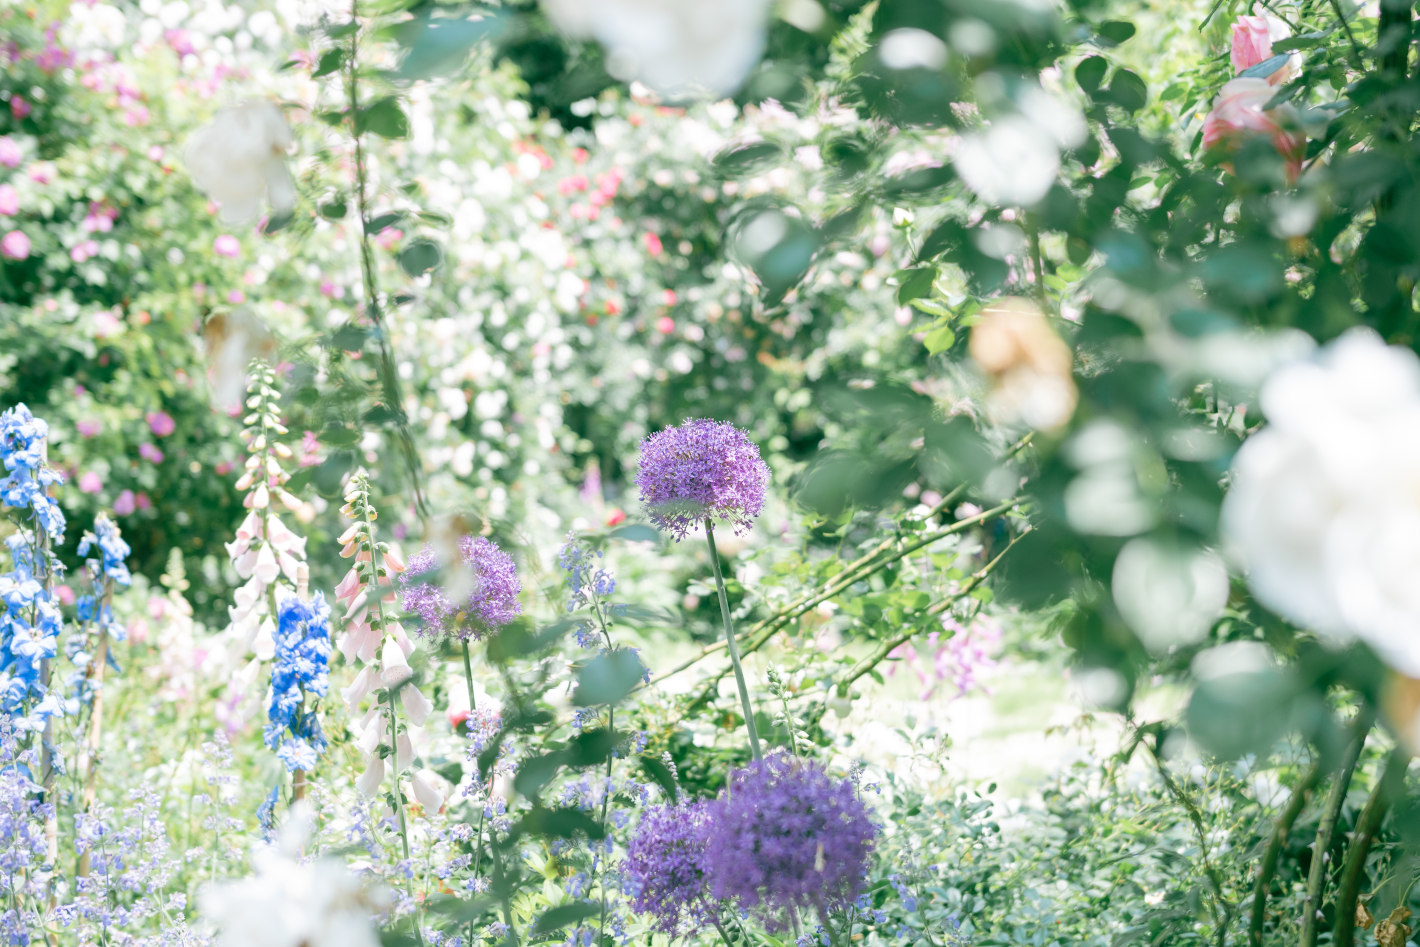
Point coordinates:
[(1316, 878), (1390, 784), (1280, 830)]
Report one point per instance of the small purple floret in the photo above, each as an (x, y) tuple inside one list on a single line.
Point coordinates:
[(701, 470), (788, 839), (665, 868), (491, 602)]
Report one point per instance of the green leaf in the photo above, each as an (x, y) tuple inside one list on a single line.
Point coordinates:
[(1265, 68), (554, 919), (436, 46), (385, 117), (636, 533), (939, 340), (420, 256), (559, 822), (778, 246), (1090, 73), (662, 775), (915, 283), (330, 61), (536, 772), (1114, 32), (608, 678), (333, 210), (945, 236), (381, 221), (746, 159), (1127, 91)]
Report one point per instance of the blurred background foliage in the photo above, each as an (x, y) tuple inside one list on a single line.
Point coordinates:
[(568, 263)]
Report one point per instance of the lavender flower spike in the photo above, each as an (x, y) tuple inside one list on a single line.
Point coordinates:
[(701, 470), (786, 838), (491, 602)]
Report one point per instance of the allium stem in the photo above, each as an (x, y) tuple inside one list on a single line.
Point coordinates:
[(733, 646), (468, 677)]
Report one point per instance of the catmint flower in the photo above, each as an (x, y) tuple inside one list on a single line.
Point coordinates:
[(786, 838), (665, 867), (491, 602), (701, 470)]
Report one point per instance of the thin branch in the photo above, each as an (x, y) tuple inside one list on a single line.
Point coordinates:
[(1390, 785), (1280, 830), (1316, 878)]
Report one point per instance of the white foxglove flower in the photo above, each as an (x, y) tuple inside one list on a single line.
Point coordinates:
[(369, 782), (674, 46), (426, 790), (1324, 509), (416, 705), (239, 160), (394, 668)]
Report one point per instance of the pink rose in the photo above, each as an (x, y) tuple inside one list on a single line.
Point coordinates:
[(653, 243), (227, 245), (9, 201), (144, 503), (90, 483), (65, 594), (150, 452), (88, 428), (1253, 37), (10, 153), (19, 107), (1238, 112), (125, 503), (161, 423), (665, 325), (15, 245)]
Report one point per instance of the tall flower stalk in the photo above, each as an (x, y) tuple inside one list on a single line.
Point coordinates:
[(381, 643), (697, 473), (32, 622), (105, 573), (266, 553)]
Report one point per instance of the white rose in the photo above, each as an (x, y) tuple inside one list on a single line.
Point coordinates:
[(675, 47), (239, 159), (1324, 510)]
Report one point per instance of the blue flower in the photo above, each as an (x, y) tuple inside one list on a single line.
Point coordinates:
[(300, 669)]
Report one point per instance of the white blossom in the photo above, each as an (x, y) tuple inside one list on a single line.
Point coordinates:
[(239, 159), (675, 47), (1324, 509), (288, 902)]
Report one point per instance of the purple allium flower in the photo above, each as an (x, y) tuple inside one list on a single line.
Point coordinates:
[(492, 591), (701, 470), (786, 838), (666, 867)]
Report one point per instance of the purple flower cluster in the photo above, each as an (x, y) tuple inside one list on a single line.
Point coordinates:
[(701, 470), (783, 840), (788, 839), (491, 602), (666, 867)]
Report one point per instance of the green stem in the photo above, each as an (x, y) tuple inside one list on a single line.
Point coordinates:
[(732, 644), (1316, 878), (1268, 869), (399, 799), (1390, 784)]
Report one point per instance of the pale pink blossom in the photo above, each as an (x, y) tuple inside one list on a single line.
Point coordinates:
[(9, 200), (125, 503), (10, 153), (90, 482), (15, 245), (1239, 111), (1252, 41)]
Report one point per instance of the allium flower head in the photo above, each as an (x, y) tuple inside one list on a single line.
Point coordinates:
[(786, 838), (701, 470), (468, 605), (665, 866)]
